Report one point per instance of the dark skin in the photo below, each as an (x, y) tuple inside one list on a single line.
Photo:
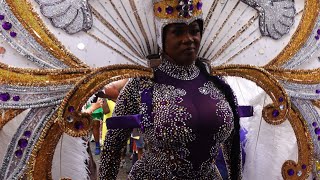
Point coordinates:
[(182, 42)]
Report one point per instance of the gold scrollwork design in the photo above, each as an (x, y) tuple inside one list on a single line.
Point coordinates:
[(31, 21), (40, 77), (274, 113), (40, 162), (9, 114), (301, 170), (39, 166), (75, 123), (299, 38), (296, 76), (290, 169), (316, 103)]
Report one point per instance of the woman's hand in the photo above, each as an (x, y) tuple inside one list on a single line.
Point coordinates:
[(104, 105), (93, 107)]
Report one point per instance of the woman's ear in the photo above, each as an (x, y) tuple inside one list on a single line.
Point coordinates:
[(200, 22)]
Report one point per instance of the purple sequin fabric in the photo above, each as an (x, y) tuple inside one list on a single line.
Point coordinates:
[(191, 120)]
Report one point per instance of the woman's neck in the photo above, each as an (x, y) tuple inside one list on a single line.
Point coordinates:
[(182, 72), (166, 57)]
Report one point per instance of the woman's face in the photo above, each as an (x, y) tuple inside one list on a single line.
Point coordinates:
[(182, 42)]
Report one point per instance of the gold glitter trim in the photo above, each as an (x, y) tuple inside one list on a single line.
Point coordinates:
[(31, 21), (221, 27), (9, 114), (296, 76), (109, 46), (316, 103), (243, 49), (40, 163), (93, 82), (233, 38), (299, 38), (209, 16), (305, 149), (39, 77), (142, 29), (281, 102), (114, 31), (175, 14)]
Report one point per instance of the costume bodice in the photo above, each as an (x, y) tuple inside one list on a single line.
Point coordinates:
[(191, 118)]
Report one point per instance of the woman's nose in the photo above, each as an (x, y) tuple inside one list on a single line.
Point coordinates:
[(188, 38)]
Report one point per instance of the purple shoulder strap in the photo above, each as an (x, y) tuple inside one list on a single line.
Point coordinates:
[(136, 120), (245, 111)]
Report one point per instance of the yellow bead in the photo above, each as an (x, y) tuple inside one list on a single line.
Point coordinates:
[(318, 165)]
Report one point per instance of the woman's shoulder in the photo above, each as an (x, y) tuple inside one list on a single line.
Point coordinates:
[(204, 65), (138, 83)]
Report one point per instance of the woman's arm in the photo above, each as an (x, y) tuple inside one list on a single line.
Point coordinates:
[(116, 139), (92, 108), (228, 147)]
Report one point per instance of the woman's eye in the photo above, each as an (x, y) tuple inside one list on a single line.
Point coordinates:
[(177, 32), (194, 31)]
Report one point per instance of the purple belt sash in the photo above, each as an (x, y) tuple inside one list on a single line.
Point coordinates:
[(134, 121), (245, 111)]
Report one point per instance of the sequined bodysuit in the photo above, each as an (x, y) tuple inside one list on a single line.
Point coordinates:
[(191, 118)]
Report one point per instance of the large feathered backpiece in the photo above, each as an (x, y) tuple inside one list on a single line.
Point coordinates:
[(56, 53)]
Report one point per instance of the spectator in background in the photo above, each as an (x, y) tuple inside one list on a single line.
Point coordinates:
[(97, 106)]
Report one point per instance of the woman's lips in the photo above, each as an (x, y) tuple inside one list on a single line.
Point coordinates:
[(189, 50)]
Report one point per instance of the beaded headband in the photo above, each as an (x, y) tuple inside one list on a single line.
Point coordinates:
[(175, 11)]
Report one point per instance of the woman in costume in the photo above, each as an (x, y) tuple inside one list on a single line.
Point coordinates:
[(182, 139)]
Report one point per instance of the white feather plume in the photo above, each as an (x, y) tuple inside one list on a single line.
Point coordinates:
[(69, 158), (267, 146)]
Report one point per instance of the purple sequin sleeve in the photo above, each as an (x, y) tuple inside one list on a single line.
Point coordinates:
[(116, 139), (226, 149)]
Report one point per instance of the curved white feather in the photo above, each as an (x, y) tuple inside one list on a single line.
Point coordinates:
[(69, 159)]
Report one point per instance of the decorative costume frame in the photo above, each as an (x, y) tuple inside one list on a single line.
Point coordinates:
[(54, 97)]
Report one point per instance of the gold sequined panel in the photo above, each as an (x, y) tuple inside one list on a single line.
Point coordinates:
[(316, 103), (8, 115), (296, 76), (282, 108), (162, 8), (69, 113), (275, 113), (35, 26), (304, 30), (31, 77), (40, 163), (301, 169)]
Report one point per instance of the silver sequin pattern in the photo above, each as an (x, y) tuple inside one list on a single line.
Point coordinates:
[(166, 138), (275, 17), (303, 91), (70, 15), (310, 114), (188, 72), (306, 52), (33, 97), (25, 44), (12, 166)]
